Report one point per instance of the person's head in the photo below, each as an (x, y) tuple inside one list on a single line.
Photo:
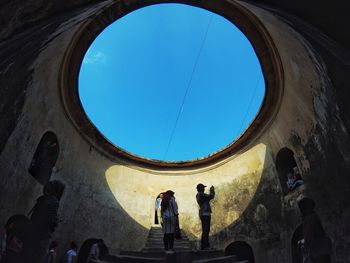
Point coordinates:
[(170, 193), (201, 187), (306, 205), (18, 226), (296, 170), (55, 188), (53, 244), (73, 245)]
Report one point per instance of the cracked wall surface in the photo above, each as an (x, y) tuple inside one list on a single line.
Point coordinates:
[(103, 197)]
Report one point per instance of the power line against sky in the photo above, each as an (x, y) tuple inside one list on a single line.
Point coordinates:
[(171, 82)]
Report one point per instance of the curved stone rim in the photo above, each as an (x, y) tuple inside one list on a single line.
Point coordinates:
[(244, 19)]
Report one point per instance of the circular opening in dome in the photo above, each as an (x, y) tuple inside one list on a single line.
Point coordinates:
[(171, 82)]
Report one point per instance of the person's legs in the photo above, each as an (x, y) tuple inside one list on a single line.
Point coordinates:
[(166, 241), (37, 251), (205, 231), (171, 240)]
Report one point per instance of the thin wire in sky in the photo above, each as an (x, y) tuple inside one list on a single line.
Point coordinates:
[(250, 103), (188, 87)]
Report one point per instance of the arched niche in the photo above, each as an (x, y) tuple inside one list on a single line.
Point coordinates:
[(285, 162), (44, 158), (242, 251), (157, 201), (295, 250)]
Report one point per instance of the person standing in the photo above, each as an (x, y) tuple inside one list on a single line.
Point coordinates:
[(158, 218), (317, 246), (52, 253), (43, 222), (203, 201), (14, 235), (169, 213), (71, 255)]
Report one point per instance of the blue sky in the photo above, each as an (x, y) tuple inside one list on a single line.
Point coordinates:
[(171, 82)]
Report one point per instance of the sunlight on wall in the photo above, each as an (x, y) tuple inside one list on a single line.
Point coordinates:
[(235, 182)]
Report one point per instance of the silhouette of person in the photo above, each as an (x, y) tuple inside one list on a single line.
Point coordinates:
[(203, 201), (52, 253), (15, 233), (43, 221), (317, 246)]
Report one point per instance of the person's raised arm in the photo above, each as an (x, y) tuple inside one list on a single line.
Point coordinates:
[(212, 192)]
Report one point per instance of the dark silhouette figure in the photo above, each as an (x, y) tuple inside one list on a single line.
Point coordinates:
[(16, 229), (52, 253), (317, 246), (205, 212), (43, 221), (297, 251)]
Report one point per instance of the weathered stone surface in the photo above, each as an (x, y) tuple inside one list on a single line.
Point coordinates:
[(114, 200)]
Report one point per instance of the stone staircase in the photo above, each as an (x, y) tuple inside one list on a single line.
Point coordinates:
[(155, 241), (153, 252)]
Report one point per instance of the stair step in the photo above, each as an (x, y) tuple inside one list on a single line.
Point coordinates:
[(161, 249), (161, 238), (225, 259), (160, 242), (135, 259), (155, 254), (207, 254)]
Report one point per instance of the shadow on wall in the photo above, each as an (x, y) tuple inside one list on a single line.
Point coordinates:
[(235, 182), (261, 223), (241, 250)]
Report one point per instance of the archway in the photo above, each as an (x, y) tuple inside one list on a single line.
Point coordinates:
[(157, 217), (241, 250)]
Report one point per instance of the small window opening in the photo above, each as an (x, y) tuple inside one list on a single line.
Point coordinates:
[(45, 158), (288, 171)]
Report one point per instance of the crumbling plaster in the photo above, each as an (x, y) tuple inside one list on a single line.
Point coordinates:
[(113, 200)]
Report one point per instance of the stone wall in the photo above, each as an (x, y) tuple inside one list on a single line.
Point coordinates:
[(114, 200)]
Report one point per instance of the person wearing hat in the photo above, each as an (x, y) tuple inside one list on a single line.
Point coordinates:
[(203, 201), (169, 212)]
